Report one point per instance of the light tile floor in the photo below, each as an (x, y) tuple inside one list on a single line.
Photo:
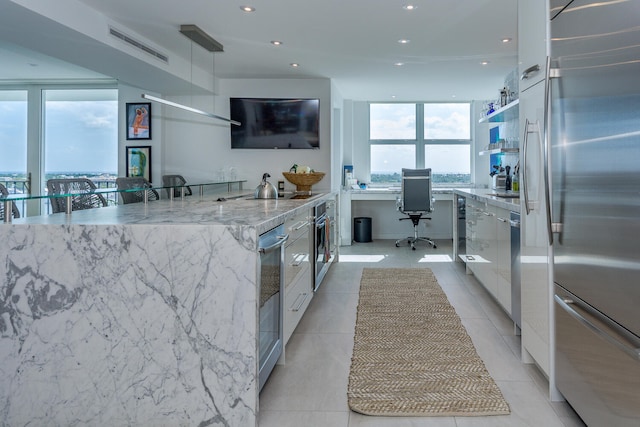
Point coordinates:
[(310, 389)]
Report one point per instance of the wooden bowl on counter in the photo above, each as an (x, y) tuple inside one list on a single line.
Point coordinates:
[(303, 181)]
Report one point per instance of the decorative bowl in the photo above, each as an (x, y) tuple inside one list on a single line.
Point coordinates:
[(303, 181)]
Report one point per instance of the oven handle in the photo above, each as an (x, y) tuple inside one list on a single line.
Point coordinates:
[(276, 245)]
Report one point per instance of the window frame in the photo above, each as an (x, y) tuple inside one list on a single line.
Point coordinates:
[(420, 141), (36, 129)]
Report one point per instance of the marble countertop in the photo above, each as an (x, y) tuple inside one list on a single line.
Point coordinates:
[(234, 210), (488, 195)]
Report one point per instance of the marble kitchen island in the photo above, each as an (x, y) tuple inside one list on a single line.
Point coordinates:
[(139, 314)]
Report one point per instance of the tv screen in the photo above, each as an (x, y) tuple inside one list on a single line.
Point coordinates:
[(275, 123)]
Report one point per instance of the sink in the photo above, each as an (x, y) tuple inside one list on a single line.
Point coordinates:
[(507, 195)]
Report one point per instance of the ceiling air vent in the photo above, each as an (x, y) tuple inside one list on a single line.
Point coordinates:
[(135, 43)]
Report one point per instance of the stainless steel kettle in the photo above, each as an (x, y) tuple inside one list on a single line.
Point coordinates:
[(266, 190)]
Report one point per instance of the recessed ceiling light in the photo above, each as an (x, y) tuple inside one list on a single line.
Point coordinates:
[(399, 64), (295, 65), (276, 42), (409, 7), (484, 62), (404, 41), (393, 96), (247, 9), (506, 40)]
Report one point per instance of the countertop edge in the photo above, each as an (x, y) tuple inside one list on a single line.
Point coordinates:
[(486, 195)]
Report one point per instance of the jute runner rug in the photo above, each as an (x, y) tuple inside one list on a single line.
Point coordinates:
[(411, 355)]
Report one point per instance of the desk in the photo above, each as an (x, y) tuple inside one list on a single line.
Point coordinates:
[(348, 197)]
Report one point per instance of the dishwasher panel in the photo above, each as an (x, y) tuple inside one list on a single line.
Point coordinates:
[(516, 309)]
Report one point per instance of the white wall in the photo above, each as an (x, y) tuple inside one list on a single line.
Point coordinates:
[(385, 217), (132, 94), (386, 224), (197, 147)]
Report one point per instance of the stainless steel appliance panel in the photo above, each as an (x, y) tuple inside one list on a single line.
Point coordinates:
[(516, 308), (462, 225), (594, 151), (597, 363), (596, 155), (271, 294), (324, 246)]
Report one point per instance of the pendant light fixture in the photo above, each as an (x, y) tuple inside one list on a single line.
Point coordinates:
[(195, 34)]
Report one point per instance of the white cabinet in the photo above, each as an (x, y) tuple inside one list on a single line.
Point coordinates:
[(471, 221), (297, 272), (485, 269), (488, 248), (533, 30), (535, 250)]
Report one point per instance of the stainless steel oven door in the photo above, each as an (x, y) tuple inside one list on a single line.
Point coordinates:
[(271, 293)]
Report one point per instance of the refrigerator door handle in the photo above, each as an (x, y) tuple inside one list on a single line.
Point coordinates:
[(569, 305), (547, 122), (525, 141)]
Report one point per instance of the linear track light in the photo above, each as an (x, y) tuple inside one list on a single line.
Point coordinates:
[(186, 108), (197, 35)]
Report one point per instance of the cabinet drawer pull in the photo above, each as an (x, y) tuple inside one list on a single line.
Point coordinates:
[(300, 225), (297, 260), (304, 298), (502, 219)]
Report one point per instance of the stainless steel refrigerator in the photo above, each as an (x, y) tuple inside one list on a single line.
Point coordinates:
[(593, 149)]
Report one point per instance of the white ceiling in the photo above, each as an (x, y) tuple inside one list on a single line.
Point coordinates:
[(352, 42)]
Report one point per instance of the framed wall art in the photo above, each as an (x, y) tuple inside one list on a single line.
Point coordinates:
[(139, 162), (139, 120)]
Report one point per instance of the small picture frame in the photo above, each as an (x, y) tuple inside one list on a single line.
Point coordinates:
[(138, 120), (139, 162)]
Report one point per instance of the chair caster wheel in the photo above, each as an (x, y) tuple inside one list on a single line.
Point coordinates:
[(397, 246), (434, 246), (413, 248)]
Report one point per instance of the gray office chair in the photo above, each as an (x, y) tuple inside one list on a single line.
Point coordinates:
[(177, 182), (415, 201), (140, 185), (82, 190), (14, 209)]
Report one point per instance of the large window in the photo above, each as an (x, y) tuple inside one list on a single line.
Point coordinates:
[(13, 139), (440, 141), (81, 133), (81, 136), (55, 132)]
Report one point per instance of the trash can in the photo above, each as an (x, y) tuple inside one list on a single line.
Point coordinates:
[(362, 229)]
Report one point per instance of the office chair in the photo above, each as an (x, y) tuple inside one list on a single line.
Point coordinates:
[(82, 191), (135, 183), (415, 201), (175, 181), (14, 209)]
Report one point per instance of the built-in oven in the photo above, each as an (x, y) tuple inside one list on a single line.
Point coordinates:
[(324, 247), (271, 292)]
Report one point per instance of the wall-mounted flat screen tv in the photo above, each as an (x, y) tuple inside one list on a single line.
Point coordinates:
[(275, 123)]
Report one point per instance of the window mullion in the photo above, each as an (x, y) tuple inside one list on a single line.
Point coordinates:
[(420, 150)]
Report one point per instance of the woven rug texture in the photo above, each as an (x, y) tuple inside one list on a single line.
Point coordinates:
[(411, 355)]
